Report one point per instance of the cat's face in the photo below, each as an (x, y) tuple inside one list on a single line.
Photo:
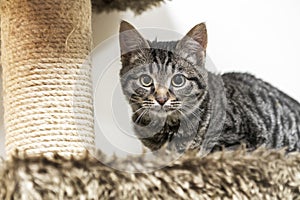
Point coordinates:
[(163, 79)]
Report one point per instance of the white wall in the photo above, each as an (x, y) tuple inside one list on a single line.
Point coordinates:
[(260, 37)]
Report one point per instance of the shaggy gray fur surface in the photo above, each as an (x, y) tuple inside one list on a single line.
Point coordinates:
[(231, 175), (137, 6)]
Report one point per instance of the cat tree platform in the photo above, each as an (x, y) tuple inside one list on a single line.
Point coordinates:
[(231, 175)]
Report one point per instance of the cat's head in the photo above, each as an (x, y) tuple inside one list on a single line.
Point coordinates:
[(162, 79)]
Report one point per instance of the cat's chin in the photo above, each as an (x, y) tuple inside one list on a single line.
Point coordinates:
[(161, 112)]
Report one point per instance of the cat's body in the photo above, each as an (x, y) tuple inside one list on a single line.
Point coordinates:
[(176, 102), (259, 114)]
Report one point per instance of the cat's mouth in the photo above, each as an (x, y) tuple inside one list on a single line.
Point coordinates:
[(150, 110), (164, 108)]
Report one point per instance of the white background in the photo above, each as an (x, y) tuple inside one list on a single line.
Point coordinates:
[(259, 37)]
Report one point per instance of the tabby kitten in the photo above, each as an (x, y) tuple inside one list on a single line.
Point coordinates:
[(177, 103)]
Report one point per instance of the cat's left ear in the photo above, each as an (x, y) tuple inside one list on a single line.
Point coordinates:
[(130, 39), (193, 45)]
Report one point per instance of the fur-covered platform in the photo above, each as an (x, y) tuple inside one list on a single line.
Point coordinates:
[(137, 6), (231, 175)]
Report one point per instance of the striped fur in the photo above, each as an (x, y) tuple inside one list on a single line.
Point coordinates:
[(177, 103), (259, 114)]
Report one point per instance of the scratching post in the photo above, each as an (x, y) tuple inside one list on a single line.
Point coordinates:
[(46, 81)]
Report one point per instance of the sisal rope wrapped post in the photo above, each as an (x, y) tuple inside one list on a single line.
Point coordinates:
[(46, 81)]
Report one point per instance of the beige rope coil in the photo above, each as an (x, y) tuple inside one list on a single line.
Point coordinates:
[(46, 78)]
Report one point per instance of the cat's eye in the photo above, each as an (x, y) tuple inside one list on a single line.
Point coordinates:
[(178, 80), (146, 80)]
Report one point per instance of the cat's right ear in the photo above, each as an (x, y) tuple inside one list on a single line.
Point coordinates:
[(130, 39), (193, 45)]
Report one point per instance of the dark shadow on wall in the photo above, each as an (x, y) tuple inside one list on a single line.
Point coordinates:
[(105, 25)]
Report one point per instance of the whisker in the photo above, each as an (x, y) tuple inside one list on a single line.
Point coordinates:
[(133, 100), (150, 102), (193, 113), (133, 103), (147, 103), (185, 118), (137, 110), (175, 105), (141, 116)]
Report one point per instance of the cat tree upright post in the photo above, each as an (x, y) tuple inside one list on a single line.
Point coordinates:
[(46, 81)]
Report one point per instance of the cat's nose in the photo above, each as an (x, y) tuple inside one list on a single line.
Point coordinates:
[(161, 100), (161, 95)]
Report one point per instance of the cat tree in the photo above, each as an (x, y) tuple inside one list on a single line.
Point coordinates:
[(49, 119)]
